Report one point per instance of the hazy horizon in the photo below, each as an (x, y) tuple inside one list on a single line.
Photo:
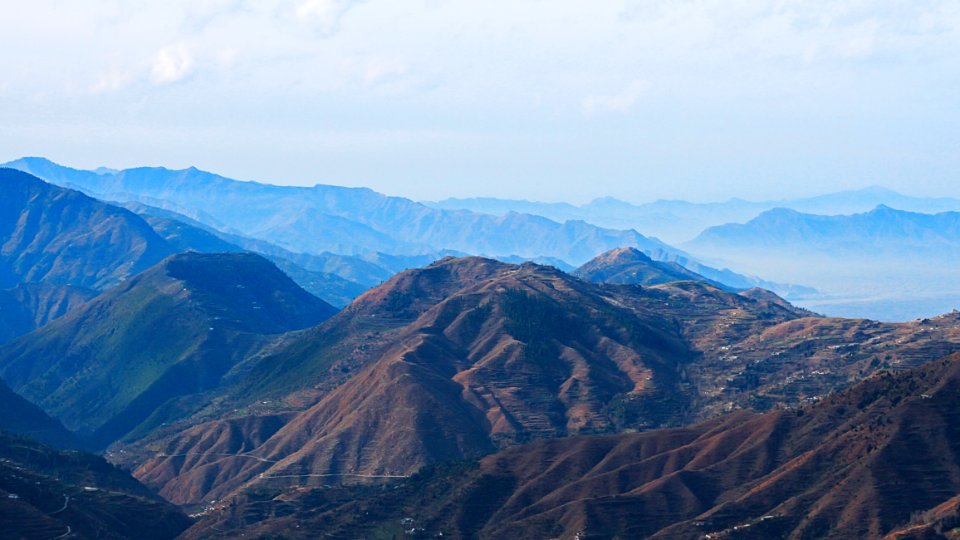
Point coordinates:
[(696, 100), (732, 197)]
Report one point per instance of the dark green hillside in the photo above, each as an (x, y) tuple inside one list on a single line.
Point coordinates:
[(141, 351)]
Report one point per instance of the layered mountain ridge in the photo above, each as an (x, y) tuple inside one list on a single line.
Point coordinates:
[(63, 237), (354, 221), (679, 221), (60, 237), (884, 229), (886, 264)]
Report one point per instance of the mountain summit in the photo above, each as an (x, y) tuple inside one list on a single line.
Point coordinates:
[(631, 266)]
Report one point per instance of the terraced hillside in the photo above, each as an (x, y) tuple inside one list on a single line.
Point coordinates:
[(882, 457)]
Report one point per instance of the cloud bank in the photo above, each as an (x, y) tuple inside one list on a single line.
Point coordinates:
[(429, 98)]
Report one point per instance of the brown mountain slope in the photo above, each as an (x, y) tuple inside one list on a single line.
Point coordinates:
[(509, 354), (469, 355), (861, 464), (939, 523)]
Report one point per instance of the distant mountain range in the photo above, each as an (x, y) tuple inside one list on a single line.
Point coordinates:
[(883, 231), (353, 221), (343, 220), (680, 221), (884, 264), (60, 247)]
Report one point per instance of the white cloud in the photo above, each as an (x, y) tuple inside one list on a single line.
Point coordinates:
[(172, 64), (227, 57), (620, 102), (379, 70), (324, 15), (111, 82)]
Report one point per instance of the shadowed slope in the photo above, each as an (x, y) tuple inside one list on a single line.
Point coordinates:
[(63, 237), (137, 352), (17, 415), (29, 306), (45, 493)]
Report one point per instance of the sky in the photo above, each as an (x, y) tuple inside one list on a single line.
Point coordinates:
[(555, 100)]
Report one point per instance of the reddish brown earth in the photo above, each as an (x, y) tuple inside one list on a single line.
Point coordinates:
[(527, 353), (882, 458)]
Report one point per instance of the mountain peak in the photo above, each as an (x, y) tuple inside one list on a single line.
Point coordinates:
[(29, 160), (622, 255), (411, 292), (882, 208), (269, 301), (780, 211), (628, 265)]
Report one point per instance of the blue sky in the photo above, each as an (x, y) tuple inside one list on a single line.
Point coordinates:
[(550, 100)]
